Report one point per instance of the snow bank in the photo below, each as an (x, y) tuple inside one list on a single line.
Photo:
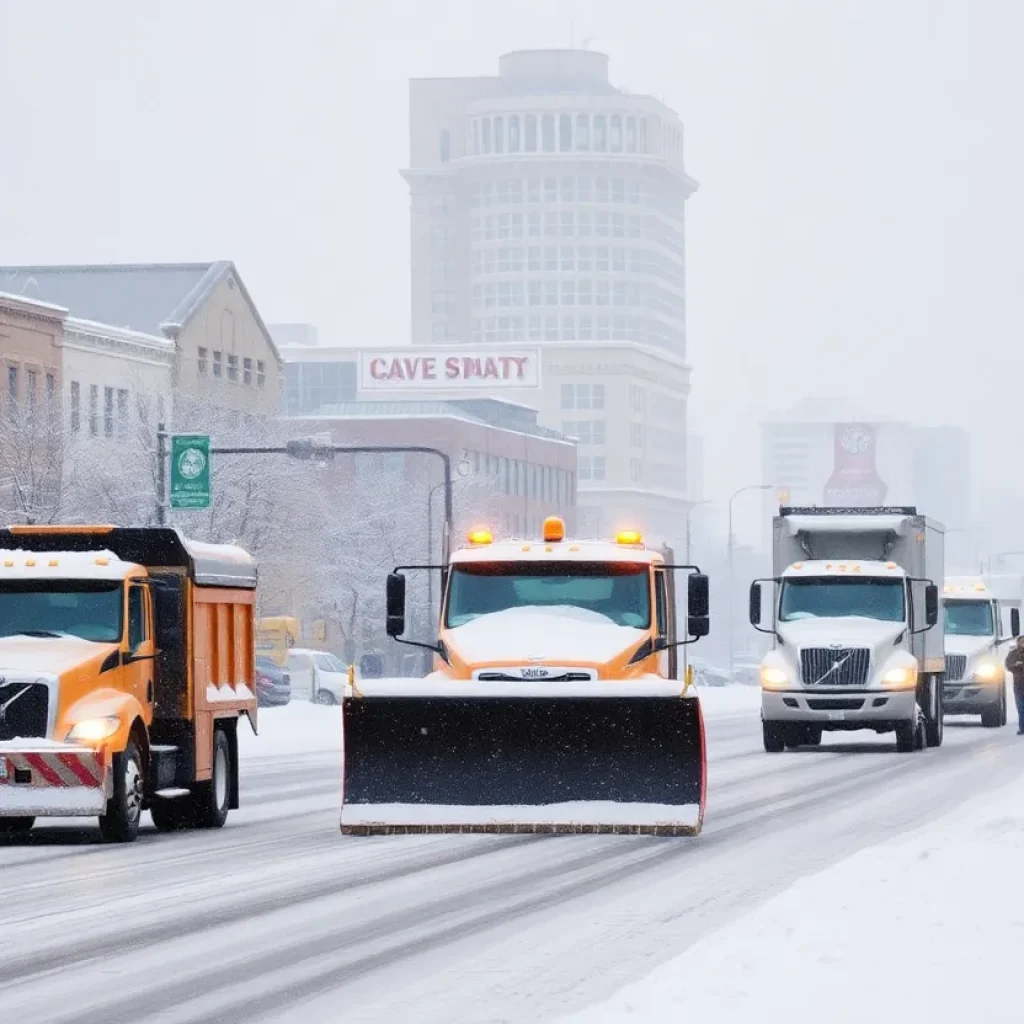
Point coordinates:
[(580, 812), (925, 928), (304, 728)]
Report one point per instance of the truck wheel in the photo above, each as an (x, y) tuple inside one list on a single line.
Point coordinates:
[(212, 799), (120, 823), (906, 737), (934, 719), (15, 826), (774, 737), (813, 736), (1002, 704), (172, 815), (994, 717), (325, 697)]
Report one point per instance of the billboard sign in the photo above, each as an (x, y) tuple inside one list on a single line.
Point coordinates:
[(190, 471), (855, 482), (457, 369)]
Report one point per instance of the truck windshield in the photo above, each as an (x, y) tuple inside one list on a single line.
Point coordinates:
[(968, 618), (90, 609), (839, 597), (620, 592)]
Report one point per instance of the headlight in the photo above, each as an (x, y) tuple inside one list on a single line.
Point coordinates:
[(900, 678), (988, 672), (774, 678), (94, 730)]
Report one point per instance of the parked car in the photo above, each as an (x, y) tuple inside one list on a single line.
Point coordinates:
[(317, 675), (273, 684)]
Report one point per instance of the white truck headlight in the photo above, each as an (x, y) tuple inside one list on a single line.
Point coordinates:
[(988, 672), (94, 730), (900, 678), (774, 678)]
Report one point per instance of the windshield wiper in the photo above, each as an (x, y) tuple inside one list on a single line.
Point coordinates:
[(49, 633)]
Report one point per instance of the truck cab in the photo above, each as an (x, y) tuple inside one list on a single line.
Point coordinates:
[(560, 610), (975, 682), (853, 610), (126, 659)]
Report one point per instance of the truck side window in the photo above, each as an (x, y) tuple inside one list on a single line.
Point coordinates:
[(136, 618), (660, 598)]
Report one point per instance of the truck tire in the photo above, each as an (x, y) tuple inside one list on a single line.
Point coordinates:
[(774, 737), (174, 815), (16, 826), (934, 716), (906, 736), (802, 736), (120, 822), (211, 800), (813, 736), (994, 717)]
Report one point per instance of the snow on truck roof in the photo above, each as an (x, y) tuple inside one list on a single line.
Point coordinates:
[(63, 565), (211, 565), (557, 551), (970, 588), (844, 567), (852, 523)]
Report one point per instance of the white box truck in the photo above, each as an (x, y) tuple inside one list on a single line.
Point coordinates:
[(975, 682), (854, 606)]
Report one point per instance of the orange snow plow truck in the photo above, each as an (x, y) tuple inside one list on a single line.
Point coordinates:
[(126, 660), (554, 705)]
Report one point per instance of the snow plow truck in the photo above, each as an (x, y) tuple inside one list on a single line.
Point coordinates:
[(554, 704), (126, 660)]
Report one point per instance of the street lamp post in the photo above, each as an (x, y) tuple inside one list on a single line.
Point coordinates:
[(688, 560), (732, 596)]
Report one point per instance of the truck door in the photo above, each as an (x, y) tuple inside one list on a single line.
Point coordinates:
[(140, 662)]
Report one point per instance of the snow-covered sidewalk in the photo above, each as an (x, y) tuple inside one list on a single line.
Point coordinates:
[(304, 728), (929, 927)]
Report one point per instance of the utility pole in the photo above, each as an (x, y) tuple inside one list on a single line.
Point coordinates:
[(161, 474)]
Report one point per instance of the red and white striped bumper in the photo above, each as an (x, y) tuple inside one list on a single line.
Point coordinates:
[(55, 782)]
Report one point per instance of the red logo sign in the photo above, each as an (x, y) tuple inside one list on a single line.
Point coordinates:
[(855, 482)]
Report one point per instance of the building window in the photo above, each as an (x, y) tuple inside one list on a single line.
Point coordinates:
[(600, 139), (76, 406), (598, 468), (531, 133), (31, 387), (446, 146), (122, 409), (51, 389), (218, 369), (636, 435), (586, 432), (630, 134), (637, 398), (583, 396), (12, 384), (202, 362), (548, 132), (583, 133), (261, 375), (643, 134), (233, 368), (108, 412), (247, 371), (485, 135), (615, 133), (636, 470), (513, 133), (94, 409), (565, 132)]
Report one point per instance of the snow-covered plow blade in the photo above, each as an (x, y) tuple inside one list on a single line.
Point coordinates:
[(519, 757)]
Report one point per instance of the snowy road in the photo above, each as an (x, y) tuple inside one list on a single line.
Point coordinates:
[(278, 918)]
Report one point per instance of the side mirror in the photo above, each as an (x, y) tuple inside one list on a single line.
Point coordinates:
[(395, 604), (931, 605), (1015, 621), (755, 604), (698, 603)]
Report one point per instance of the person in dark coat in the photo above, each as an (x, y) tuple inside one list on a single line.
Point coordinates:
[(1015, 664)]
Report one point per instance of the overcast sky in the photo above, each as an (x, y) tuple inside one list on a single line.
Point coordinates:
[(857, 229)]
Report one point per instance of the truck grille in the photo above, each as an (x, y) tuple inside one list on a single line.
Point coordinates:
[(24, 710), (956, 666), (854, 663)]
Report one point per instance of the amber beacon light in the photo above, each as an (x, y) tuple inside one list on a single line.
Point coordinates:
[(554, 529)]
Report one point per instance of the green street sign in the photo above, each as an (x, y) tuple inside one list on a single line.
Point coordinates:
[(190, 471)]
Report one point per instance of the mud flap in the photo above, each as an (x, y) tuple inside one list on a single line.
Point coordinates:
[(618, 758)]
